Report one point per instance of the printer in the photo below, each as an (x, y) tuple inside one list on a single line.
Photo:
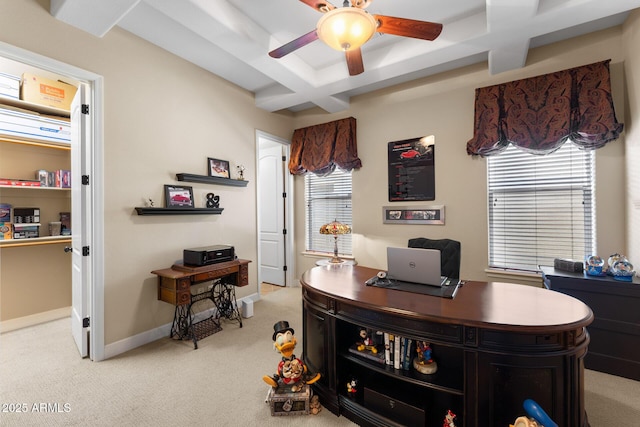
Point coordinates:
[(208, 255)]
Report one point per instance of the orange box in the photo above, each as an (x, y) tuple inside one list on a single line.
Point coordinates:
[(43, 91)]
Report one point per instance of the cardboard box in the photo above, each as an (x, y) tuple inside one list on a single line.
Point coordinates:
[(10, 86), (6, 231), (43, 91), (285, 402), (26, 216), (5, 212), (26, 231)]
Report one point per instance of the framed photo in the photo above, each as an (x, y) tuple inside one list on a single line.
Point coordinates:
[(413, 215), (219, 168), (178, 196)]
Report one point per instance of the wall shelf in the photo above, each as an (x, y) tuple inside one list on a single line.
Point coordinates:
[(178, 211), (187, 177)]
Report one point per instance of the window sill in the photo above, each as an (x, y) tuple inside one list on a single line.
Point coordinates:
[(515, 276)]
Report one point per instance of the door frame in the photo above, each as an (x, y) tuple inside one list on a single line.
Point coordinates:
[(95, 288), (289, 211)]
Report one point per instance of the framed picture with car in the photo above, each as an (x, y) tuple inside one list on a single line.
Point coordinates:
[(178, 196), (219, 168)]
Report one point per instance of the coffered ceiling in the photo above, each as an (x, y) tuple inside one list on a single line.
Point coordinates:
[(232, 38)]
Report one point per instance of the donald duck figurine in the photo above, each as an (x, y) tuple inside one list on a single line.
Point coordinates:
[(292, 371)]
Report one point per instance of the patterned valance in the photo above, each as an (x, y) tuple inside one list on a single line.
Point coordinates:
[(540, 113), (320, 148)]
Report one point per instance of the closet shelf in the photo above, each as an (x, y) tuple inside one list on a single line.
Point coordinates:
[(187, 177)]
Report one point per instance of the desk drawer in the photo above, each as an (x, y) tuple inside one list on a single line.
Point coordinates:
[(210, 275), (175, 298)]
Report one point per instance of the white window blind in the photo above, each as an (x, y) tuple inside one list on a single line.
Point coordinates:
[(540, 207), (327, 198)]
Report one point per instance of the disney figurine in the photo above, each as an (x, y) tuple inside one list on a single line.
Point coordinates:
[(291, 370), (424, 363), (352, 388), (448, 419), (366, 342)]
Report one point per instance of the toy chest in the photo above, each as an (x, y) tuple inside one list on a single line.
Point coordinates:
[(283, 401)]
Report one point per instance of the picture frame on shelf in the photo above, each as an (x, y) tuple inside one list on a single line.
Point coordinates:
[(413, 215), (178, 196), (219, 168)]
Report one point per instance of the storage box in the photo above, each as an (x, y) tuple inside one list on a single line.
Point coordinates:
[(43, 91), (283, 401), (26, 231), (9, 86), (26, 215), (33, 126)]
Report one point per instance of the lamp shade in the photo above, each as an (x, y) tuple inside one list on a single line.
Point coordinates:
[(346, 28), (335, 228)]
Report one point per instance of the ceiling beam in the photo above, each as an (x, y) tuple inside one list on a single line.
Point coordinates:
[(96, 17)]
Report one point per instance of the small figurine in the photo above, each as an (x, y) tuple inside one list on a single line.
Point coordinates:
[(240, 172), (292, 371), (367, 342), (448, 419), (424, 363), (314, 405), (352, 388)]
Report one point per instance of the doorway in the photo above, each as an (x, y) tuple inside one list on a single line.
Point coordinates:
[(89, 293), (275, 211)]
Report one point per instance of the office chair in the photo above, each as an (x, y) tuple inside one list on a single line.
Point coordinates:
[(449, 254)]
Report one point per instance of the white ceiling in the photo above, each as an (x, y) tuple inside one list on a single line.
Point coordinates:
[(232, 38)]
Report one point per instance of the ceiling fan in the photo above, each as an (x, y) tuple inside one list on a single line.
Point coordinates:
[(349, 27)]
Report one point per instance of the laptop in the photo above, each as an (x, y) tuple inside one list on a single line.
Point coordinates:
[(415, 270), (421, 266)]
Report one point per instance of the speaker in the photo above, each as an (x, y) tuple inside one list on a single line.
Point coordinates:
[(568, 265)]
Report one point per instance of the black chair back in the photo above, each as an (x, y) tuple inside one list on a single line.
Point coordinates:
[(449, 254)]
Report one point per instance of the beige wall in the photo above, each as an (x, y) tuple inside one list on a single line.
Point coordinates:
[(163, 115), (631, 39), (443, 105)]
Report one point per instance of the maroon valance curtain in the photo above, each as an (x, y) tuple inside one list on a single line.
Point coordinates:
[(320, 148), (540, 113)]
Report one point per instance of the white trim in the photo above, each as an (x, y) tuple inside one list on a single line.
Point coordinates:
[(34, 319), (96, 82)]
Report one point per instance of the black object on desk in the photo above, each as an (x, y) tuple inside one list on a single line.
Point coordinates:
[(615, 331)]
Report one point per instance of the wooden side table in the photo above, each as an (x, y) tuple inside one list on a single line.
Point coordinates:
[(174, 287)]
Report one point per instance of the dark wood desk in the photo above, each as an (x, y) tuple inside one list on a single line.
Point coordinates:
[(174, 287), (615, 331), (496, 344)]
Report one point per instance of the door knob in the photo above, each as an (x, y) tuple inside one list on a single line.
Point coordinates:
[(68, 249)]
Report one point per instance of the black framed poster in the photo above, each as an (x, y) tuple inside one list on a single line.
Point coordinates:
[(411, 170)]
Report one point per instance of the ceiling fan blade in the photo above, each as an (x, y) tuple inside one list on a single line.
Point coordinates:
[(354, 62), (319, 5), (294, 44), (408, 27)]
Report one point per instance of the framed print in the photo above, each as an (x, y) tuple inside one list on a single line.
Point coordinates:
[(219, 168), (413, 215), (411, 166), (178, 196)]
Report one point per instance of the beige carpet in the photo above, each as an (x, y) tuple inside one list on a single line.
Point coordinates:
[(167, 383)]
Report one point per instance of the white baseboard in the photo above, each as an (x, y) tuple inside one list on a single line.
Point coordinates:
[(129, 343), (34, 319)]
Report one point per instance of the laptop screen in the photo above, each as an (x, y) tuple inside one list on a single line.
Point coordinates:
[(414, 265)]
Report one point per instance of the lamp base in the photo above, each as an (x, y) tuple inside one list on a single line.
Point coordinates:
[(328, 261)]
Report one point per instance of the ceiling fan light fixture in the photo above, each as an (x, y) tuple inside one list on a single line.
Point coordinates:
[(346, 28)]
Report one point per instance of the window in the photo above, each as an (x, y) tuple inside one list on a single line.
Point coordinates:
[(327, 198), (540, 207)]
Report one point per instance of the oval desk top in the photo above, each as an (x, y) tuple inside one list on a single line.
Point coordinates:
[(492, 305)]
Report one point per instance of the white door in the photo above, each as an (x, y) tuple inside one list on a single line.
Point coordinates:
[(80, 210), (272, 220)]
